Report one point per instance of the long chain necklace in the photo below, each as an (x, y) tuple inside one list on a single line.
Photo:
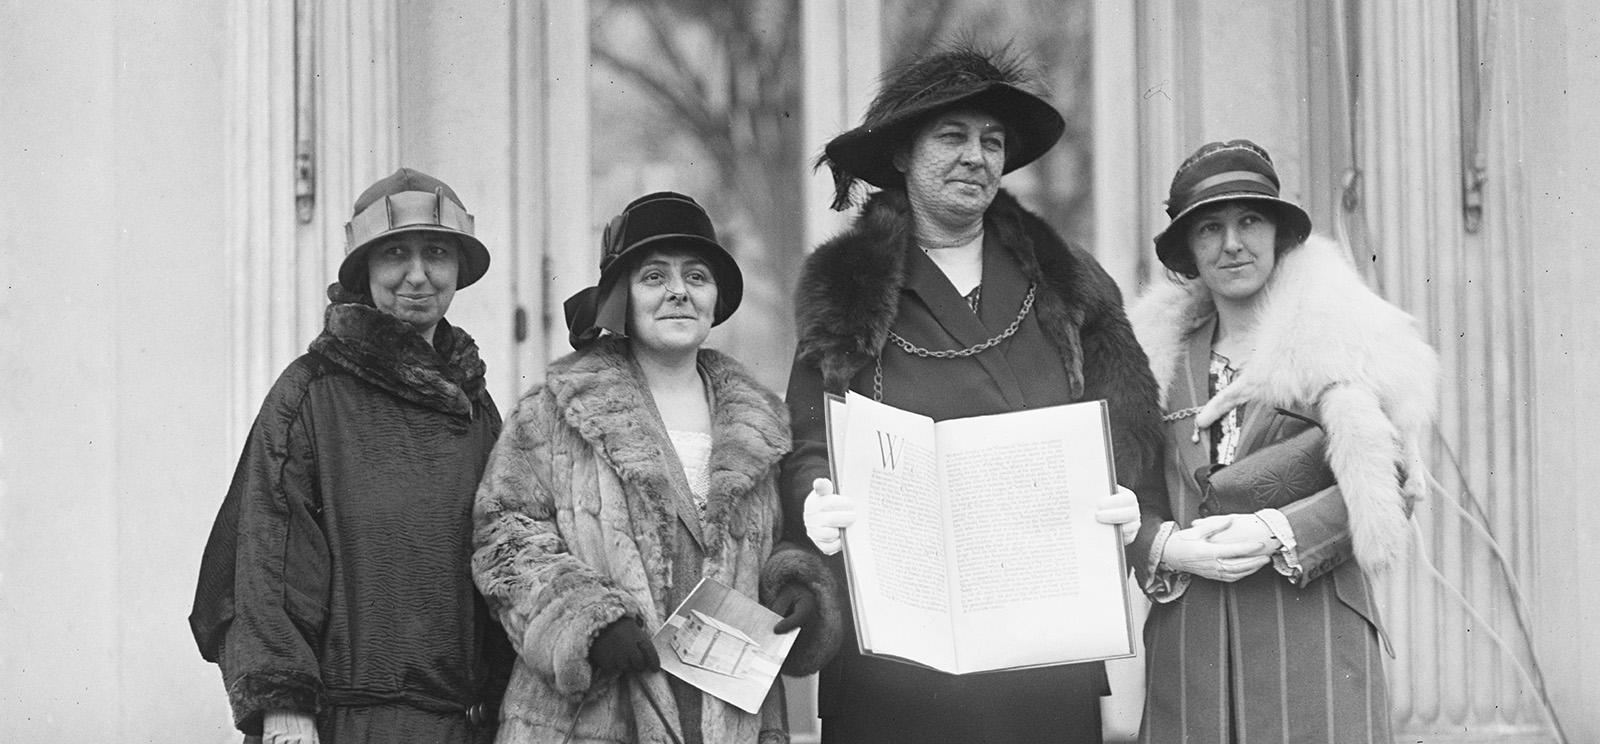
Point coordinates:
[(915, 350)]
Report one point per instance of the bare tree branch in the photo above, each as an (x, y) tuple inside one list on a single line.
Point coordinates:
[(696, 117), (660, 26)]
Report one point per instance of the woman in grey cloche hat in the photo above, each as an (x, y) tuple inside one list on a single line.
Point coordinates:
[(334, 592)]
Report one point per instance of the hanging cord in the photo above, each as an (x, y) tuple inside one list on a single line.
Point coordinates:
[(1531, 673), (651, 698), (1355, 232), (601, 683)]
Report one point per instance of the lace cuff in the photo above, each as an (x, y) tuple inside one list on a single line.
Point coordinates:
[(1163, 585), (1287, 560)]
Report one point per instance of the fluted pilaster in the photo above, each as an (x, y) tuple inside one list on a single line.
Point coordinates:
[(314, 84), (1460, 674)]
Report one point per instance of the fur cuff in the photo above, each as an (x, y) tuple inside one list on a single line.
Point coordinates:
[(569, 647), (258, 692), (818, 641)]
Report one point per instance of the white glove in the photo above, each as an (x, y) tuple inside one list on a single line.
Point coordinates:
[(1192, 551), (1121, 509), (827, 514), (286, 727)]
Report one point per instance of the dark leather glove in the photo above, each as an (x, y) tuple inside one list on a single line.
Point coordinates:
[(623, 647), (798, 606)]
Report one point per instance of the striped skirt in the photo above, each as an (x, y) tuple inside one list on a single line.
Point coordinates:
[(1261, 661)]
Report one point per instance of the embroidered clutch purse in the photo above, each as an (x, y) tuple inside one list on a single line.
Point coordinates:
[(1268, 478)]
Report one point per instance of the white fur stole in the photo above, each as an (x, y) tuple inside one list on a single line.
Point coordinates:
[(1328, 341)]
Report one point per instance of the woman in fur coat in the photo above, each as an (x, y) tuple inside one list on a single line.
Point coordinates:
[(641, 464), (335, 592), (1295, 399), (947, 298)]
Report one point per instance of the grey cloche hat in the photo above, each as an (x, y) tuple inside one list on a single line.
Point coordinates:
[(408, 201)]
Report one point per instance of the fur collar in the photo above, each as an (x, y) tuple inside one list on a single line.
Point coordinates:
[(387, 353), (849, 293), (1328, 341), (600, 392)]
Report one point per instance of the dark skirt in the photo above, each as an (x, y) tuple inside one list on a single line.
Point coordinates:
[(381, 724), (874, 701)]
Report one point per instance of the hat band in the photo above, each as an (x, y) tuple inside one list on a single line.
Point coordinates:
[(1226, 177), (405, 209)]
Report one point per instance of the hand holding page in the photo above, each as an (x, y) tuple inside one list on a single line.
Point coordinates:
[(976, 546), (826, 513)]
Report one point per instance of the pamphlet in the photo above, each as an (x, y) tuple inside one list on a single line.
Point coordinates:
[(722, 642), (975, 546)]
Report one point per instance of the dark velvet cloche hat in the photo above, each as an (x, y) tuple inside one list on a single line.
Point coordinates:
[(960, 76), (664, 219), (1218, 172)]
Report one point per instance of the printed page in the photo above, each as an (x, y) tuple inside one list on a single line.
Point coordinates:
[(895, 554), (1038, 580)]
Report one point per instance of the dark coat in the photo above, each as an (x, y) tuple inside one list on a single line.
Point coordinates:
[(336, 580), (1075, 345), (584, 516), (1271, 658)]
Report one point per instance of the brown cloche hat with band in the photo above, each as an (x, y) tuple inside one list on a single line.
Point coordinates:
[(1217, 172), (408, 201), (664, 219), (960, 76)]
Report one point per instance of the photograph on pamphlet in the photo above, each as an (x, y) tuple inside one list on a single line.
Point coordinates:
[(722, 642)]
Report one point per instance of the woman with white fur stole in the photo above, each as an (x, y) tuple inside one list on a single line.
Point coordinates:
[(1295, 399)]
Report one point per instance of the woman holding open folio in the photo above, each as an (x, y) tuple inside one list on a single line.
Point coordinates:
[(948, 299), (1295, 397)]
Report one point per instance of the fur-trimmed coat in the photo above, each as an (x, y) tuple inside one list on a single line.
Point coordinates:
[(1075, 344), (1292, 656), (336, 579), (581, 520)]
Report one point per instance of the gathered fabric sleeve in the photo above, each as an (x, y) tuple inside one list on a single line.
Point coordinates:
[(551, 604), (263, 623), (1116, 369), (808, 460)]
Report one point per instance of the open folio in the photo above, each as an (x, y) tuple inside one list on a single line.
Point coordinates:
[(975, 546)]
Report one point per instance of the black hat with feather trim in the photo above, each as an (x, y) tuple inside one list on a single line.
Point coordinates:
[(960, 76)]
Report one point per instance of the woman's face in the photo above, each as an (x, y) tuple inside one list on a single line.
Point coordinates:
[(412, 276), (953, 165), (1235, 249), (672, 300)]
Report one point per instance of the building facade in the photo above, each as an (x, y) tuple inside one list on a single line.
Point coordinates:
[(177, 176)]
